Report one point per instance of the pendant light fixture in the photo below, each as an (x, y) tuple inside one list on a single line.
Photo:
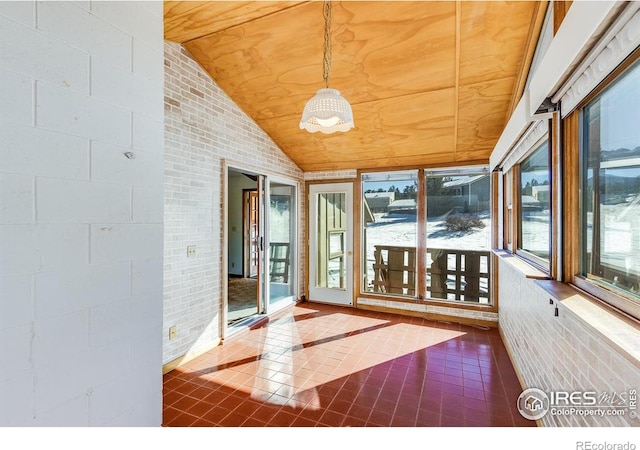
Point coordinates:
[(327, 111)]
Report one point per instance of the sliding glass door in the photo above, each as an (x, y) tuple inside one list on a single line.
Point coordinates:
[(281, 225), (261, 242)]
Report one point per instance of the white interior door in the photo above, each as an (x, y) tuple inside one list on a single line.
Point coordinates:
[(331, 243)]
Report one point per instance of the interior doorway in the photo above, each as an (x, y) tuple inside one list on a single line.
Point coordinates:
[(251, 232)]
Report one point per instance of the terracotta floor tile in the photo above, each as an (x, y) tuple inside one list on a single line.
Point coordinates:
[(169, 414), (232, 420), (282, 419), (171, 382), (312, 412), (183, 420), (185, 403), (380, 418), (427, 419), (303, 422), (473, 384), (321, 365), (186, 388), (451, 421), (449, 388), (474, 393), (199, 409), (365, 400), (216, 415), (339, 405), (401, 421), (202, 423), (332, 418), (253, 422), (231, 402), (170, 397), (247, 408), (351, 421)]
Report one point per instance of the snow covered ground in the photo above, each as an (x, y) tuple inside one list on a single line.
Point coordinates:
[(401, 230)]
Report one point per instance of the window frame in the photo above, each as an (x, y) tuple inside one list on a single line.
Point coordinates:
[(512, 217), (575, 151), (421, 289), (539, 262), (394, 175)]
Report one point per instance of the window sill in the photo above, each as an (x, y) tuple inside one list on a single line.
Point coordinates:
[(473, 306), (527, 269), (612, 326)]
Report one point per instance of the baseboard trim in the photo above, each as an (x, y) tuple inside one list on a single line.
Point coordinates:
[(190, 355), (195, 352)]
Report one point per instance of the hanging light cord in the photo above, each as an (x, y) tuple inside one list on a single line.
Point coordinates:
[(326, 59)]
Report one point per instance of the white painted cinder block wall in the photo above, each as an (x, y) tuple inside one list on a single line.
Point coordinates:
[(81, 233), (204, 127)]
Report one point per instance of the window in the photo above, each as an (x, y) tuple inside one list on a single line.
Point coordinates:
[(527, 193), (610, 189), (508, 210), (389, 237), (426, 234), (458, 229), (534, 221)]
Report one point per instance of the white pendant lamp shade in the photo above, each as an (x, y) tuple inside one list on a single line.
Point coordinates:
[(327, 112)]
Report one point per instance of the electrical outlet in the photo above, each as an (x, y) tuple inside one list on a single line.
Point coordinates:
[(172, 332), (191, 251)]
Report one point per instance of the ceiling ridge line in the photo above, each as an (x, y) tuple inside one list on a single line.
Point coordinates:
[(204, 36)]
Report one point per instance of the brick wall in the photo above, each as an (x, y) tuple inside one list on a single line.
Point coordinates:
[(563, 352), (331, 175), (80, 223), (203, 127), (399, 306)]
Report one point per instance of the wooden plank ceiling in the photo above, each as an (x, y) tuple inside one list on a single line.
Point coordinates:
[(430, 83)]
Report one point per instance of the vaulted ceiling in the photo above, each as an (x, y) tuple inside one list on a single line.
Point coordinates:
[(430, 83)]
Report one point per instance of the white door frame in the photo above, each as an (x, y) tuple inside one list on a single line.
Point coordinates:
[(340, 296), (295, 237), (266, 177)]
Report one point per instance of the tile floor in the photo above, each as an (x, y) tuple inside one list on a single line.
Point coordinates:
[(327, 366)]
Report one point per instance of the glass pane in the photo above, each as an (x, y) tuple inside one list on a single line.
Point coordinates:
[(281, 239), (458, 232), (611, 186), (389, 235), (331, 268), (535, 213), (336, 243)]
